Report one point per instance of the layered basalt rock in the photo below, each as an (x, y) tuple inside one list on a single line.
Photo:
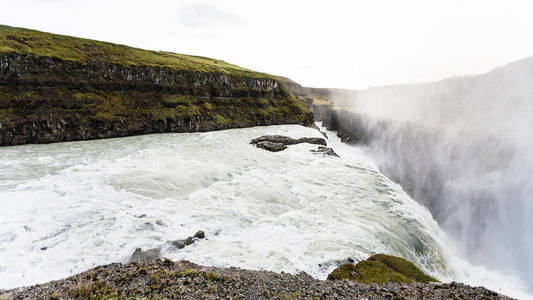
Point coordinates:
[(86, 95), (21, 69)]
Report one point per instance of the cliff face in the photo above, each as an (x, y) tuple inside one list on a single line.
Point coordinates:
[(92, 92)]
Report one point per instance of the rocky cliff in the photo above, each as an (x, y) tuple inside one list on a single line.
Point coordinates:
[(57, 88)]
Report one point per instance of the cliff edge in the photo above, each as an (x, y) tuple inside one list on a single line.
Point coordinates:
[(56, 88)]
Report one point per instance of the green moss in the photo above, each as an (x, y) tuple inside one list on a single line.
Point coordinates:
[(174, 100), (208, 106), (104, 116), (381, 268), (402, 266), (219, 119), (342, 272), (210, 276), (42, 44), (187, 273), (90, 290)]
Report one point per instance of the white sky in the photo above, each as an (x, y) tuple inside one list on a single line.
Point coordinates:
[(350, 44)]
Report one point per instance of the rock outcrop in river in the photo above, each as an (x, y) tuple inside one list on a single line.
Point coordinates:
[(276, 143), (57, 88)]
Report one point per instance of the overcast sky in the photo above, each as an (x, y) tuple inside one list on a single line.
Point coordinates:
[(344, 43)]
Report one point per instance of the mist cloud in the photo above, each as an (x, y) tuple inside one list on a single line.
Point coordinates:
[(463, 147)]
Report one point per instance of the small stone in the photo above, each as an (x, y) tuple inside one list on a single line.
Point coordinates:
[(44, 248), (350, 260), (200, 234)]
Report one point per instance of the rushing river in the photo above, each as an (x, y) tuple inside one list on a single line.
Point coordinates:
[(67, 207)]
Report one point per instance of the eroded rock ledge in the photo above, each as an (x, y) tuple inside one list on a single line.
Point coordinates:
[(45, 100), (277, 143)]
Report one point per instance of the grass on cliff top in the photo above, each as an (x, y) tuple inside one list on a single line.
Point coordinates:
[(43, 44), (381, 268)]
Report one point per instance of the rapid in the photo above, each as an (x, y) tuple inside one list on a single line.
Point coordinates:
[(67, 207)]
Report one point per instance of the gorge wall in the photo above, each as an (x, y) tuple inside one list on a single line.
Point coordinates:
[(87, 95)]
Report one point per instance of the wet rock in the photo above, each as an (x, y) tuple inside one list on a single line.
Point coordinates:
[(274, 147), (285, 140), (277, 143), (140, 256), (325, 151), (180, 244), (43, 248), (350, 260)]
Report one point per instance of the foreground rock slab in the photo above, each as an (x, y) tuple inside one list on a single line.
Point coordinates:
[(165, 279), (140, 256), (276, 143)]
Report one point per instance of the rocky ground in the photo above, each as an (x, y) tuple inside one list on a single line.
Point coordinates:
[(165, 279)]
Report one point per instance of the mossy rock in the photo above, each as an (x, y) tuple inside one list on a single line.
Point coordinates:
[(381, 268)]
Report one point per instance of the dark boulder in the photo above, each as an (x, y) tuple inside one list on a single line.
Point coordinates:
[(285, 140), (180, 244), (277, 143), (200, 234)]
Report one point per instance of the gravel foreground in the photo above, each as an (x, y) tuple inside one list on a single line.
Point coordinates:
[(165, 279)]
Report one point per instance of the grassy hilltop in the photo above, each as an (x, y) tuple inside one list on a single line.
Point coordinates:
[(85, 51)]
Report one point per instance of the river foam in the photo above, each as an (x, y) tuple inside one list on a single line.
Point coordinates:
[(71, 206)]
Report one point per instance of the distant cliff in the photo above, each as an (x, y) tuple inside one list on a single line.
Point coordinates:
[(56, 88)]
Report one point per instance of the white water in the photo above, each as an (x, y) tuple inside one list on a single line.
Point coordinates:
[(287, 211)]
